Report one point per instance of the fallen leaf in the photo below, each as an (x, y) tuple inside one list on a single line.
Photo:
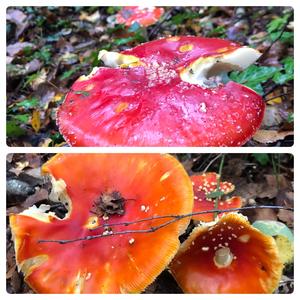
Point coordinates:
[(17, 48), (264, 214), (270, 136), (41, 78), (33, 66), (278, 181), (36, 121), (40, 194), (93, 18), (272, 116), (17, 17)]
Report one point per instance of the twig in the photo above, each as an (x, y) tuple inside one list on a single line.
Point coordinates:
[(174, 218), (280, 95), (159, 24), (211, 162)]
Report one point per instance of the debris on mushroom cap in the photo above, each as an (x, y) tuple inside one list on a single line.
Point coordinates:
[(205, 185), (164, 93), (144, 16), (114, 263), (229, 257)]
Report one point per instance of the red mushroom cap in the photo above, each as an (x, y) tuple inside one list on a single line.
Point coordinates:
[(205, 184), (161, 93), (229, 257), (144, 16), (103, 189)]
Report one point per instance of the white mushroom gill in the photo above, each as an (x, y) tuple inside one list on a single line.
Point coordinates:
[(209, 71)]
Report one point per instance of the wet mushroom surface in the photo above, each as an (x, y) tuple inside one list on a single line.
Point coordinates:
[(166, 92), (66, 256), (228, 257)]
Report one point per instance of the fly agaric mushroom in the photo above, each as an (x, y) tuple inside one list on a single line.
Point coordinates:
[(144, 16), (164, 93), (229, 257), (205, 185), (102, 189)]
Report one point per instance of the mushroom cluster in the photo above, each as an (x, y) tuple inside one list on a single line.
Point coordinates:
[(229, 257), (98, 247), (167, 92)]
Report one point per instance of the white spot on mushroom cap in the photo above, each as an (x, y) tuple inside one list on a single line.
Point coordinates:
[(165, 176), (244, 238)]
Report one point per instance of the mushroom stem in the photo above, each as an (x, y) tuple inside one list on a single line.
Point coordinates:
[(223, 257)]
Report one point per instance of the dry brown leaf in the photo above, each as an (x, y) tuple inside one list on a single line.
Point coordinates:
[(272, 116), (270, 136), (19, 18)]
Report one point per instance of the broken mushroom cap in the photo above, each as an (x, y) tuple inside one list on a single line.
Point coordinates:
[(103, 189), (229, 257), (206, 184), (144, 16), (164, 93)]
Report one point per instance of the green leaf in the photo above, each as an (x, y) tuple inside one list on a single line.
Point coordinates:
[(286, 37), (113, 9), (44, 54), (13, 129), (254, 76), (274, 228), (282, 235), (276, 24), (117, 27), (219, 31), (215, 194), (180, 18), (288, 64), (56, 138), (31, 78), (123, 41), (28, 103), (24, 118), (290, 118), (69, 73), (262, 158), (286, 73)]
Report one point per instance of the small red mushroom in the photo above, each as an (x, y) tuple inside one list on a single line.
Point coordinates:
[(100, 190), (164, 93), (206, 184), (229, 257), (144, 16)]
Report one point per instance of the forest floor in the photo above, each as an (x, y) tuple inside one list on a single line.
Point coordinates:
[(48, 48), (260, 179)]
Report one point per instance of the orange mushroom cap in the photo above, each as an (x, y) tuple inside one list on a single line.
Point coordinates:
[(229, 257), (206, 184), (144, 16), (142, 185)]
